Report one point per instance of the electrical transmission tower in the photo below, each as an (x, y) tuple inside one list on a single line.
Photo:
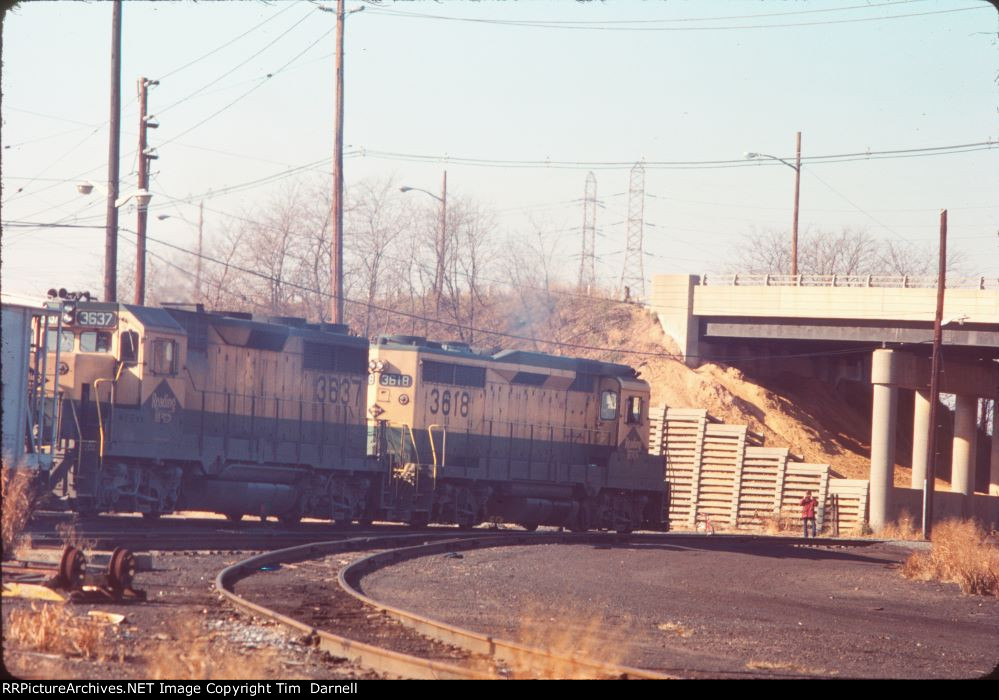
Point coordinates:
[(633, 274), (587, 262)]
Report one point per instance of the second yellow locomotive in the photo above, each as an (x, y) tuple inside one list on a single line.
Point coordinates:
[(514, 436)]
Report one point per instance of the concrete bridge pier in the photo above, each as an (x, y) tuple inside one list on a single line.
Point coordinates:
[(920, 437), (883, 420), (962, 478), (969, 381), (994, 460)]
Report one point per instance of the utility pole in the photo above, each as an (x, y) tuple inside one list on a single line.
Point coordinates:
[(336, 213), (441, 245), (145, 156), (794, 223), (197, 264), (336, 262), (930, 479), (587, 262), (114, 145)]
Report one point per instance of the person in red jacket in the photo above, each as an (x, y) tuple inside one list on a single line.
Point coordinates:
[(808, 504)]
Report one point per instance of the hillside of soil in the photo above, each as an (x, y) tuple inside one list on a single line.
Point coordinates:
[(822, 423)]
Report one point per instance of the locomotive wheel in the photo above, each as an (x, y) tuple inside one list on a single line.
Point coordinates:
[(465, 510), (581, 523), (365, 521), (530, 527), (121, 569), (71, 567), (234, 517), (290, 519), (151, 515), (623, 523), (419, 521)]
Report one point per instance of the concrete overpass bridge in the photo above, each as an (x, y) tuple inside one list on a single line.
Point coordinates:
[(869, 328)]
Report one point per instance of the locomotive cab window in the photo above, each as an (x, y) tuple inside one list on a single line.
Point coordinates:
[(95, 341), (164, 357), (608, 405), (65, 341), (129, 347), (635, 409)]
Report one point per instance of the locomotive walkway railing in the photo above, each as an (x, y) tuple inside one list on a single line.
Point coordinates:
[(893, 282)]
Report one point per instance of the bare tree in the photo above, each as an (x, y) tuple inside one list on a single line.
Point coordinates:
[(847, 252)]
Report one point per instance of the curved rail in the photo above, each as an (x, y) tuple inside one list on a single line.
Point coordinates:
[(525, 659), (367, 655), (391, 662)]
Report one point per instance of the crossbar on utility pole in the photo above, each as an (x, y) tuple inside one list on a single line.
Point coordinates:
[(930, 479)]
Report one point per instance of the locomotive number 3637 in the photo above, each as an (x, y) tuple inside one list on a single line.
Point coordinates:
[(333, 390), (449, 403)]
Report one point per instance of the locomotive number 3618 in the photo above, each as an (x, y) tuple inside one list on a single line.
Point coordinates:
[(449, 403)]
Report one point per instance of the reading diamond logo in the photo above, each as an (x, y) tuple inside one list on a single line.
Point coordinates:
[(163, 404)]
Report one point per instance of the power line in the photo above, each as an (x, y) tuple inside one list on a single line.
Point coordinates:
[(228, 43), (688, 164), (607, 27), (238, 65)]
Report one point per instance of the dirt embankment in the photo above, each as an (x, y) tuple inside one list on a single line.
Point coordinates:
[(822, 423)]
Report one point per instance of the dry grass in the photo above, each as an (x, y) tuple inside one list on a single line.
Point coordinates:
[(959, 554), (18, 504), (184, 653), (783, 666), (904, 528), (71, 537), (54, 629), (568, 635), (675, 628), (778, 523)]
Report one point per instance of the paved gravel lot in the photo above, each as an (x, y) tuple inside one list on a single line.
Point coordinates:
[(711, 607)]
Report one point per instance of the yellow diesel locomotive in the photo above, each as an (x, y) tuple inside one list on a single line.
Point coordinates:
[(176, 408), (513, 436)]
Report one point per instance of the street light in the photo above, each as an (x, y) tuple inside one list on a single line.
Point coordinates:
[(197, 263), (796, 167), (141, 197), (442, 240)]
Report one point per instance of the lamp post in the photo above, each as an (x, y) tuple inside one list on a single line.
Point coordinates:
[(797, 186), (141, 197), (197, 261), (442, 236)]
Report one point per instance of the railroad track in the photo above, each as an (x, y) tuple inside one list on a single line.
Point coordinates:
[(454, 652), (457, 653)]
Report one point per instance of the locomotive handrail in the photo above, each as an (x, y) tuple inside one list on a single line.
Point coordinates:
[(566, 429), (97, 400), (433, 448)]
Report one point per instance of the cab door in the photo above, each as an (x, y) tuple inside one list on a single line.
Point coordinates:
[(609, 410), (163, 387)]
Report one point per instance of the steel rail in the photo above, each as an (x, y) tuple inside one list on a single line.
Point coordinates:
[(503, 653), (531, 660), (366, 655)]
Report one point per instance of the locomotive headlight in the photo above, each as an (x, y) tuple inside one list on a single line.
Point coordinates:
[(68, 314), (379, 366), (371, 365)]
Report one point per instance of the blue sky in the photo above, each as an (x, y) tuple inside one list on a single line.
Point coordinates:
[(587, 83)]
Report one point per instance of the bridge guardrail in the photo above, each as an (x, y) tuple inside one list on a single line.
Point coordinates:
[(888, 281)]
